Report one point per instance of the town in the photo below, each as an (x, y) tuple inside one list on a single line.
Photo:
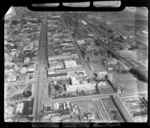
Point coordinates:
[(75, 67)]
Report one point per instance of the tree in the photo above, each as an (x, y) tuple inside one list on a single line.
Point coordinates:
[(14, 22), (27, 93), (139, 74), (49, 90), (97, 43)]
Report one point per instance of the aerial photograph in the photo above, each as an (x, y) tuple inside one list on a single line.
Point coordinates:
[(76, 66)]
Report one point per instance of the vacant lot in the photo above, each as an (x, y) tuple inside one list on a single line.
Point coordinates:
[(125, 81), (87, 107), (112, 110)]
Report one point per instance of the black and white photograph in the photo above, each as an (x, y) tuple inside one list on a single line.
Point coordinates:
[(76, 66)]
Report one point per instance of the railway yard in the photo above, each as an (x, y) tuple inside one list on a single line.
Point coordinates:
[(75, 67)]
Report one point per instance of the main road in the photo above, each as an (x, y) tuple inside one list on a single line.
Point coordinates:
[(41, 80), (87, 68), (90, 97)]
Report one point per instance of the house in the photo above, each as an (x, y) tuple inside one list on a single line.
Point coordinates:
[(56, 106), (9, 111), (19, 107), (23, 70), (30, 75), (81, 42), (27, 60), (11, 78), (31, 68)]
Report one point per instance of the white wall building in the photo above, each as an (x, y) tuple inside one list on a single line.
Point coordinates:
[(77, 86), (84, 87), (70, 63), (102, 84)]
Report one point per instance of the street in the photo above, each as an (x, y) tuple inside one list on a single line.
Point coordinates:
[(41, 72)]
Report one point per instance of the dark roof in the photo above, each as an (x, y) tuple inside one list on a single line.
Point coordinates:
[(28, 107), (56, 75), (64, 112)]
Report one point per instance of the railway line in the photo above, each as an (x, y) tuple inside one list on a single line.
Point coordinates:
[(137, 67)]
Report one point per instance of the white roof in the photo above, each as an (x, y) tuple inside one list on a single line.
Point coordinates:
[(70, 63), (82, 41), (23, 70), (83, 22), (145, 32), (27, 59), (56, 16)]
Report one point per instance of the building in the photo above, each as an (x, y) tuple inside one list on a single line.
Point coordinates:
[(64, 105), (81, 42), (56, 64), (19, 107), (56, 57), (56, 106), (56, 16), (11, 78), (102, 84), (112, 61), (80, 87), (91, 116), (71, 88), (70, 63), (77, 73), (83, 22), (28, 107), (74, 81), (102, 74), (27, 60), (57, 75), (75, 55), (9, 111)]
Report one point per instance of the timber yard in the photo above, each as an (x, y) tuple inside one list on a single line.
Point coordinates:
[(75, 66)]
